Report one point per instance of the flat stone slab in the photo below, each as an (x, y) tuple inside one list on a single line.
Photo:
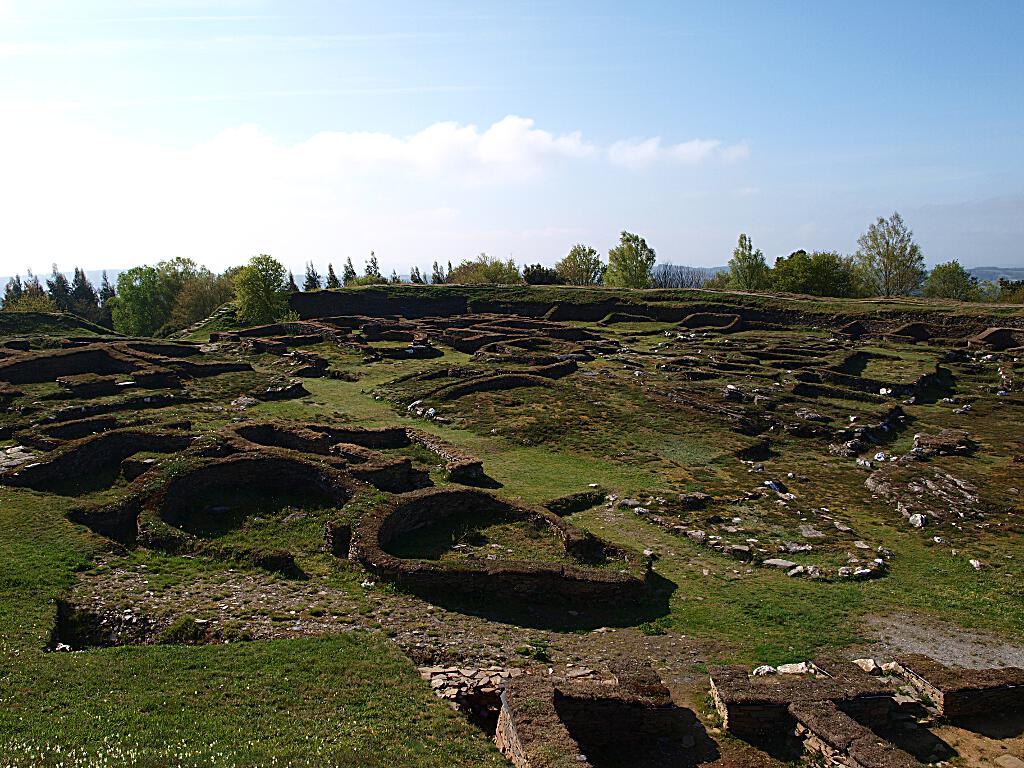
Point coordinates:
[(778, 562)]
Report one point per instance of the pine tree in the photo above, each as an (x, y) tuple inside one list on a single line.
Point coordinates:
[(415, 276), (437, 277), (59, 290), (372, 269), (83, 300), (394, 276), (13, 291), (290, 285), (107, 291), (313, 281), (348, 274), (332, 279)]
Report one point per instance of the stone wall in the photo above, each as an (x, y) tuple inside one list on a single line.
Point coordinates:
[(524, 581), (958, 692)]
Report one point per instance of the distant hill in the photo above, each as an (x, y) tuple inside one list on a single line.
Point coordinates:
[(994, 273)]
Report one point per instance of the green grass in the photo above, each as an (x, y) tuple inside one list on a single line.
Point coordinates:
[(342, 700), (352, 699)]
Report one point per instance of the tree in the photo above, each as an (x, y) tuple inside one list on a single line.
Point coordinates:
[(748, 270), (581, 266), (199, 296), (671, 276), (260, 291), (141, 305), (13, 291), (59, 290), (107, 291), (291, 286), (438, 275), (313, 281), (348, 274), (951, 281), (630, 263), (83, 299), (332, 279), (538, 274), (372, 268), (485, 269), (1011, 291), (31, 299), (820, 273), (892, 263), (415, 276)]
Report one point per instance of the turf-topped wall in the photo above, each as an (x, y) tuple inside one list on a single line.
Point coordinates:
[(562, 303), (508, 579)]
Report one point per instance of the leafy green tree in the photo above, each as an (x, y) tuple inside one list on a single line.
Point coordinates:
[(332, 279), (260, 291), (890, 260), (820, 273), (313, 281), (31, 301), (538, 274), (951, 281), (748, 270), (59, 290), (487, 270), (581, 266), (1011, 291), (198, 297), (415, 276), (27, 296), (13, 291), (630, 263), (141, 305), (394, 277), (348, 274)]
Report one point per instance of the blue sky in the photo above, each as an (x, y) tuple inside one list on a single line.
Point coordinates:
[(136, 131)]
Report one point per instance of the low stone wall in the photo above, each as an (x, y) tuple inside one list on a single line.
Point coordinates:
[(842, 741), (491, 384), (555, 720), (753, 706), (284, 435), (460, 467), (48, 365), (94, 454), (270, 471), (958, 692), (521, 580)]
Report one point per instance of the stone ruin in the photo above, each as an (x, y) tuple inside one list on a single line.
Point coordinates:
[(958, 693), (847, 714), (512, 585), (626, 719)]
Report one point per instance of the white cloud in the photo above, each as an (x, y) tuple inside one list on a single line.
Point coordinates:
[(637, 154), (71, 192)]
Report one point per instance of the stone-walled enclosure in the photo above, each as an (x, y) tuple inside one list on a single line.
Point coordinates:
[(513, 581), (963, 693), (627, 719)]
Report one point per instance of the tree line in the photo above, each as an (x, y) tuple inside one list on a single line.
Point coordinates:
[(171, 295)]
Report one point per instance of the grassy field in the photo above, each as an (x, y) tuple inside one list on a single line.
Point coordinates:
[(664, 413), (350, 699)]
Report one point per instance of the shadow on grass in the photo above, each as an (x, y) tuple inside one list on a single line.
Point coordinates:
[(542, 612)]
